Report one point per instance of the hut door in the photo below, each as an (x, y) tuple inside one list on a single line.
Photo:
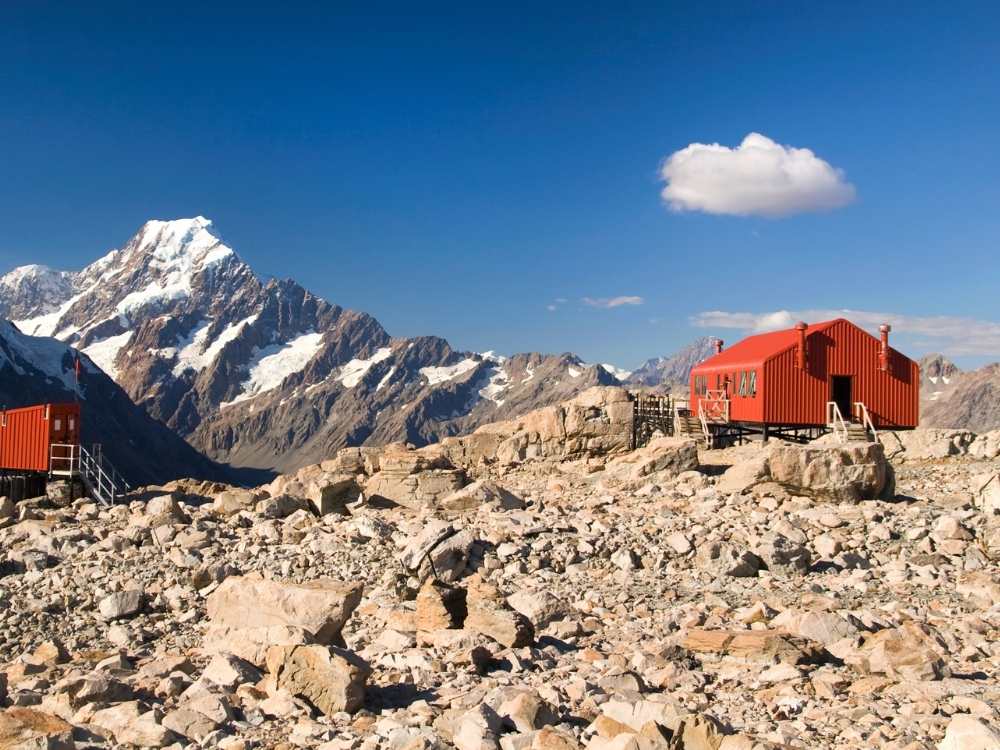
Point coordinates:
[(840, 393)]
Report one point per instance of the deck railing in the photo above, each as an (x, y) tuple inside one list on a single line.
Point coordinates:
[(106, 485), (835, 421), (714, 405), (864, 418)]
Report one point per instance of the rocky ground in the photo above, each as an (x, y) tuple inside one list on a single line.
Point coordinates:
[(531, 586)]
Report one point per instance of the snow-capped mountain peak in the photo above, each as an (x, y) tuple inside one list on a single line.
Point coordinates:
[(268, 375), (34, 289), (180, 242)]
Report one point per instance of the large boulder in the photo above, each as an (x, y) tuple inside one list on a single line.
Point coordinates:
[(481, 494), (439, 606), (490, 615), (927, 442), (324, 490), (413, 479), (130, 725), (320, 608), (986, 445), (668, 456), (746, 474), (29, 728), (966, 732), (252, 644), (844, 473), (597, 422), (331, 679), (231, 501), (912, 651)]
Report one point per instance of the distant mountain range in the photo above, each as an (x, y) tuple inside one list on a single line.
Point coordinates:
[(952, 398), (264, 375), (674, 369), (268, 376)]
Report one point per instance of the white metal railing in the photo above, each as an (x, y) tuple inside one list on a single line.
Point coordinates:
[(64, 459), (862, 415), (705, 429), (835, 421), (100, 477)]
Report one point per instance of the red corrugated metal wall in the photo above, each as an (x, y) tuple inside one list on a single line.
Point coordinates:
[(26, 434), (793, 396), (741, 408)]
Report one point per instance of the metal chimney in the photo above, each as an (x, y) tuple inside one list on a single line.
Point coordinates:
[(718, 346), (800, 354), (883, 355)]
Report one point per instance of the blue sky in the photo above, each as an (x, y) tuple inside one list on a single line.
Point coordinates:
[(459, 169)]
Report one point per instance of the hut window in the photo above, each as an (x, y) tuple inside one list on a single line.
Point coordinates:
[(752, 387), (57, 424), (743, 382)]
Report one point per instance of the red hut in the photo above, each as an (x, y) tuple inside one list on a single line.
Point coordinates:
[(28, 435), (808, 378)]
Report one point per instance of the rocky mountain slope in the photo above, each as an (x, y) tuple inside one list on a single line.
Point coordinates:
[(265, 374), (38, 370), (565, 594), (673, 370), (958, 399)]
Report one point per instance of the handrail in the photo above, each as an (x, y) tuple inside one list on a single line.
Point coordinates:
[(64, 458), (100, 477), (835, 420), (861, 412), (704, 426)]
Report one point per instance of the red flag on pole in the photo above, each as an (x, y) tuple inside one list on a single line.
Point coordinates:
[(76, 368)]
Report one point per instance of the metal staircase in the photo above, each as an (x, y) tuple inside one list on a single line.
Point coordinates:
[(859, 429), (103, 482)]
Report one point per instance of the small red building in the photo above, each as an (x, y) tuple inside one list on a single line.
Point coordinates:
[(27, 435), (791, 379)]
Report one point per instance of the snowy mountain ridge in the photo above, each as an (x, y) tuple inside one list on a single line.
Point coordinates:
[(265, 374)]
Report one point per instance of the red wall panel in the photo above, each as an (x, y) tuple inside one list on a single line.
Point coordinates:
[(27, 434)]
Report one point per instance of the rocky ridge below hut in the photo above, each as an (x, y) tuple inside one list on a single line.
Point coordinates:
[(535, 584)]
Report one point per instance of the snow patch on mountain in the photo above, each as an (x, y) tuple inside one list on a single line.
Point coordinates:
[(386, 378), (105, 351), (272, 364), (438, 375), (193, 352), (354, 371), (46, 324), (499, 381), (619, 372)]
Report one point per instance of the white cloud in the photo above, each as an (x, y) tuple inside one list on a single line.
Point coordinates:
[(609, 302), (758, 178), (952, 335)]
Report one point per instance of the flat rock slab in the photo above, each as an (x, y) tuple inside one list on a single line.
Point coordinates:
[(321, 607), (753, 645)]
